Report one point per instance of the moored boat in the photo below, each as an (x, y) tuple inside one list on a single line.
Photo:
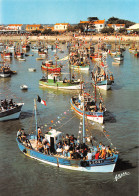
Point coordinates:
[(49, 66), (24, 87), (5, 71), (53, 81)]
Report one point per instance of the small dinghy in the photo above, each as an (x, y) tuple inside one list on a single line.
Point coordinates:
[(40, 59), (24, 87), (21, 59), (31, 69)]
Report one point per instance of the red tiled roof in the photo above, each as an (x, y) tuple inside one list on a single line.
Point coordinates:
[(35, 25), (118, 25), (61, 23), (15, 25), (94, 22)]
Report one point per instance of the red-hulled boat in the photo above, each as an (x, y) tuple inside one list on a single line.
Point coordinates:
[(49, 66), (6, 55)]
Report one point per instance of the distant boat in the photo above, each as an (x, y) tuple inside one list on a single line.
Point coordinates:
[(5, 71), (24, 87), (80, 67), (119, 57), (21, 59), (18, 54), (40, 58), (49, 66), (6, 55), (31, 69), (101, 78)]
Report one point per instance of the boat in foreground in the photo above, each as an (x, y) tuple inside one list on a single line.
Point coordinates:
[(49, 152)]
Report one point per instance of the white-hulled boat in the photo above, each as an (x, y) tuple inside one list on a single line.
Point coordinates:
[(24, 87), (31, 69), (12, 112)]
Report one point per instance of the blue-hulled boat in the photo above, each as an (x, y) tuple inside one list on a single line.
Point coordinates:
[(30, 149)]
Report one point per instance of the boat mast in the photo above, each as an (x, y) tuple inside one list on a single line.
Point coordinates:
[(35, 109), (69, 64), (83, 122)]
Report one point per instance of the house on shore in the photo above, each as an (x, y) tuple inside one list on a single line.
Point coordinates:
[(116, 27), (94, 26), (13, 28), (33, 27), (61, 26)]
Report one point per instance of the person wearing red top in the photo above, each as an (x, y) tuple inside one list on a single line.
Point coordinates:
[(97, 155)]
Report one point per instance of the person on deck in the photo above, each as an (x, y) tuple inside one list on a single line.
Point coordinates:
[(97, 155), (89, 155)]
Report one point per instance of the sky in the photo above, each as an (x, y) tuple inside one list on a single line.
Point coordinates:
[(66, 11)]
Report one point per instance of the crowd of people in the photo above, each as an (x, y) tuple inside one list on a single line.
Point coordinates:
[(7, 104)]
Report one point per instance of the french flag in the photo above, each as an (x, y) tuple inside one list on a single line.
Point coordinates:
[(41, 101)]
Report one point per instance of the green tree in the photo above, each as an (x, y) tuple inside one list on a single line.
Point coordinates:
[(92, 18), (114, 20)]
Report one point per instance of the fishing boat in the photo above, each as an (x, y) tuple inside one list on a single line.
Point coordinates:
[(5, 71), (25, 47), (49, 66), (18, 54), (54, 81), (81, 67), (101, 77), (9, 111), (93, 111), (47, 148), (119, 57), (6, 55)]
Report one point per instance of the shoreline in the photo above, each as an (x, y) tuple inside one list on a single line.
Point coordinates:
[(94, 38)]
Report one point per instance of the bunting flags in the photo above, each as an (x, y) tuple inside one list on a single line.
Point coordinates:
[(41, 101)]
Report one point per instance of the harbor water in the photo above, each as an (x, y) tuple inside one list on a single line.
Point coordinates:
[(21, 175)]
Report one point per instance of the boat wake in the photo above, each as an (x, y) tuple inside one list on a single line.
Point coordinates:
[(123, 165)]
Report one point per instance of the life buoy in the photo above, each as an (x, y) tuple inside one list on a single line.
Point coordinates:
[(24, 151), (84, 163)]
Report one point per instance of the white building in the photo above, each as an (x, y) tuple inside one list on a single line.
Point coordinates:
[(98, 25), (116, 27), (16, 27), (61, 26)]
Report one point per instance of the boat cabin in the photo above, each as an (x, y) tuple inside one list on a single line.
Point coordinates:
[(53, 137)]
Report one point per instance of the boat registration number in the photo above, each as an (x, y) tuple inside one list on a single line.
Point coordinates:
[(96, 162)]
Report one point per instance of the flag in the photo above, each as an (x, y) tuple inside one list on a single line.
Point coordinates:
[(41, 101)]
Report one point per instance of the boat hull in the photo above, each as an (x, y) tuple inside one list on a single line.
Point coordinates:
[(5, 75), (100, 165), (11, 113), (81, 68), (51, 69), (104, 85), (60, 85)]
